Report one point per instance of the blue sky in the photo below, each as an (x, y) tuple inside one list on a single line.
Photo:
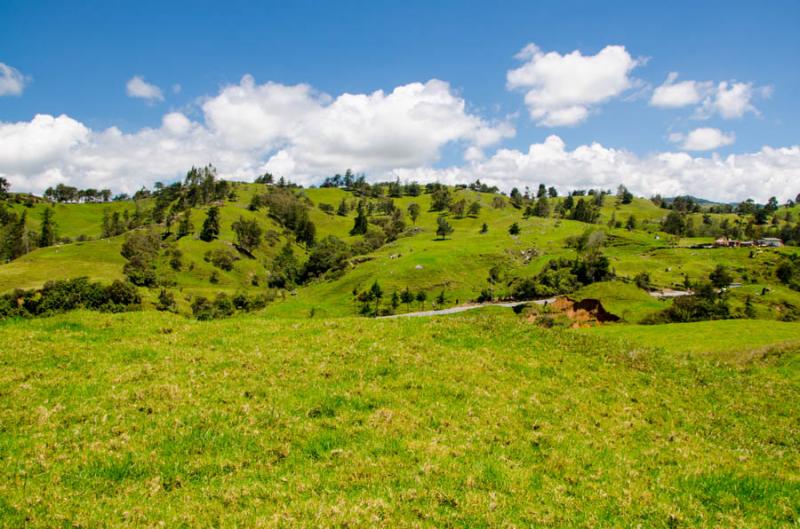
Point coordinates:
[(77, 57)]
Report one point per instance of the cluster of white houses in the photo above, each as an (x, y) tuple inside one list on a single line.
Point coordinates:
[(769, 242)]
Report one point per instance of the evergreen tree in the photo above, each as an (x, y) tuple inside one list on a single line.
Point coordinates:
[(47, 236), (16, 243), (343, 208), (376, 293), (360, 225), (210, 230), (185, 226), (514, 229), (484, 228)]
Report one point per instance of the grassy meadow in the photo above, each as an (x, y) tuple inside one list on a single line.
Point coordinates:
[(473, 420)]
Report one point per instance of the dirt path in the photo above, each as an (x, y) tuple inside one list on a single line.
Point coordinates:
[(464, 308), (666, 293)]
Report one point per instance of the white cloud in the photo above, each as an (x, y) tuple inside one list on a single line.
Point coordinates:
[(675, 95), (733, 100), (12, 82), (299, 133), (138, 87), (249, 128), (759, 175), (703, 139), (563, 89)]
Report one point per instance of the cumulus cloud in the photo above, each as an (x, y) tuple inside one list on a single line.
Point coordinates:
[(563, 89), (297, 132), (675, 95), (703, 139), (759, 175), (249, 128), (733, 100), (139, 88), (12, 82), (728, 99)]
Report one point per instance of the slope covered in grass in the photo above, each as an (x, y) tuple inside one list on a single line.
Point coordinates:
[(142, 419)]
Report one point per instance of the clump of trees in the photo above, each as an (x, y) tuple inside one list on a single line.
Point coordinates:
[(64, 193), (70, 294), (224, 306), (562, 276)]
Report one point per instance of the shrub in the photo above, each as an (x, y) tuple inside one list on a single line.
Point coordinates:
[(222, 258)]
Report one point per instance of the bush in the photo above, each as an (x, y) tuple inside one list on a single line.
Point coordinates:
[(222, 258), (70, 294)]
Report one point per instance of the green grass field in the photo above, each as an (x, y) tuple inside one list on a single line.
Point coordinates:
[(475, 420)]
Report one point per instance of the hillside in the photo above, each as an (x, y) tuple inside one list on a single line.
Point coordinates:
[(456, 268)]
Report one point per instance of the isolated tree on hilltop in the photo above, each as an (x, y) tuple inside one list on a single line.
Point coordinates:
[(210, 230), (4, 187)]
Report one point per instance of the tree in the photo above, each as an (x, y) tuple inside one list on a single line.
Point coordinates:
[(16, 243), (623, 195), (475, 209), (514, 229), (440, 199), (484, 228), (720, 277), (674, 223), (542, 208), (306, 232), (210, 230), (552, 192), (542, 191), (516, 198), (458, 207), (443, 228), (248, 234), (141, 249), (395, 300), (440, 299), (166, 301), (414, 211), (376, 293), (47, 236), (360, 224), (4, 187), (631, 223), (407, 297), (330, 253), (185, 225), (421, 297), (285, 271), (343, 208)]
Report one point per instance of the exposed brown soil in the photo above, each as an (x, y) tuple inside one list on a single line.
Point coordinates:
[(584, 313)]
